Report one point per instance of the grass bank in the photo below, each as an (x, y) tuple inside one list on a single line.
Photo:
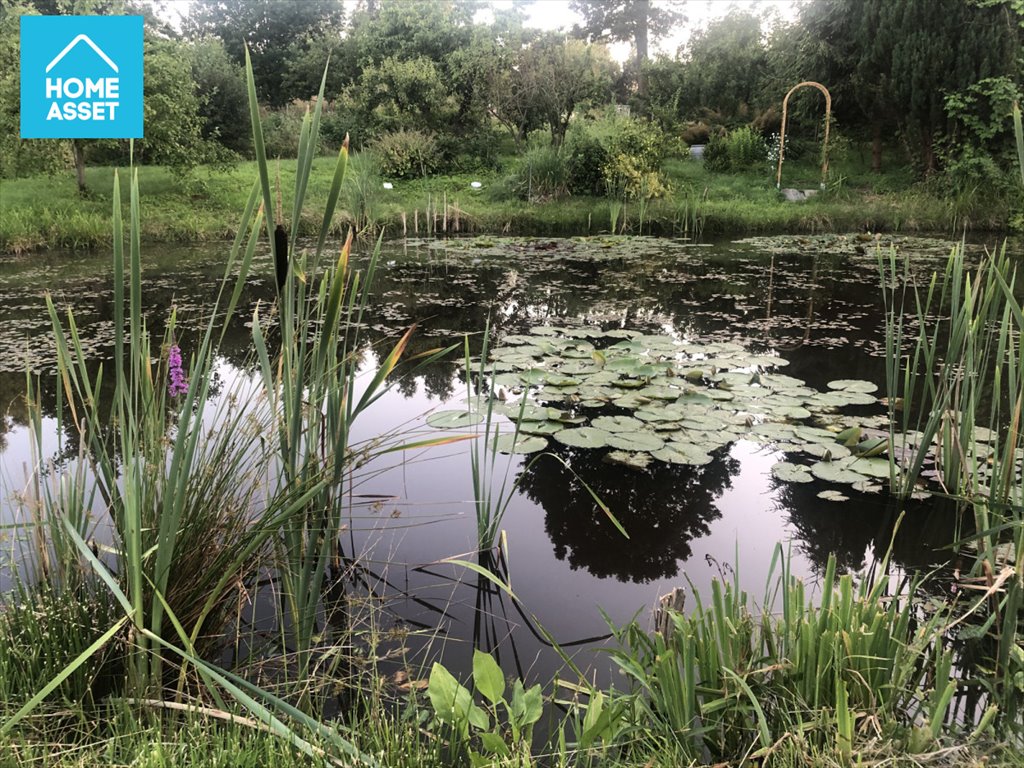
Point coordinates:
[(47, 212)]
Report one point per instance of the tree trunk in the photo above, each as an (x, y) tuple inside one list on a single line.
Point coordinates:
[(79, 152), (876, 147), (643, 13), (928, 152)]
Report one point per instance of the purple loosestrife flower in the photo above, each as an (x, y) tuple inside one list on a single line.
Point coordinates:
[(177, 384)]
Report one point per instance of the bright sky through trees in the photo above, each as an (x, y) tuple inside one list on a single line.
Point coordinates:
[(556, 14)]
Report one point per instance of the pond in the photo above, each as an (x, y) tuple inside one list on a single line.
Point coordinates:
[(798, 314)]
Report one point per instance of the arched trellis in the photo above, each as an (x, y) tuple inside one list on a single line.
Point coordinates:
[(782, 133)]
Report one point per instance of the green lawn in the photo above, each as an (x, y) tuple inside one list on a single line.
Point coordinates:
[(47, 212)]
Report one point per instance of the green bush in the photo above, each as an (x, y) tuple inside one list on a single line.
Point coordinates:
[(738, 150), (585, 161), (716, 154), (745, 148), (281, 129), (407, 154), (642, 141), (615, 155)]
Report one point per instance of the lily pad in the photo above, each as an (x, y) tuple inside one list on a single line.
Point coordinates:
[(454, 419), (540, 427), (853, 385), (583, 437), (627, 459), (831, 495), (835, 472), (871, 467), (825, 451), (792, 473), (617, 423), (635, 441), (524, 444), (682, 453)]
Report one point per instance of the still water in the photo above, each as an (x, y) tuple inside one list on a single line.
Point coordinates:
[(815, 302)]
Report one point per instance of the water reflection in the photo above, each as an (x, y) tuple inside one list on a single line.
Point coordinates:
[(862, 529), (662, 509)]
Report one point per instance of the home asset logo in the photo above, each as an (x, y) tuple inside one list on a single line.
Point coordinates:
[(81, 77)]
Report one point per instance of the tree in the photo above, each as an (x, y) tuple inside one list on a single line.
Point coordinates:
[(402, 93), (890, 64), (171, 122), (636, 21), (423, 54), (564, 73), (493, 64), (307, 58), (944, 46), (223, 97), (19, 157), (268, 28), (724, 63)]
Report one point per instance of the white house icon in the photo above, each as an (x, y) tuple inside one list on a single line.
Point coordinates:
[(72, 44)]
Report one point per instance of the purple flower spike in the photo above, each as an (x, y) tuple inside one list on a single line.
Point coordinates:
[(177, 384)]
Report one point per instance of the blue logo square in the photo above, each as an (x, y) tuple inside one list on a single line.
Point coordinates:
[(81, 77)]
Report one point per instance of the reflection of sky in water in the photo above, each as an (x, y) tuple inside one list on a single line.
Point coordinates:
[(415, 508)]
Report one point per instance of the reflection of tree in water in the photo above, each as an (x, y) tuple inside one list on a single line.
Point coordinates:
[(865, 525), (662, 509)]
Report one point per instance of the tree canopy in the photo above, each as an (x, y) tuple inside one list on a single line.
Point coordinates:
[(269, 28)]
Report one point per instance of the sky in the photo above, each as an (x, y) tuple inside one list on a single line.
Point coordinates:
[(556, 15)]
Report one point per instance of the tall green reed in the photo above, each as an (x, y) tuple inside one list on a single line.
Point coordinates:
[(731, 682), (954, 376), (955, 384), (196, 511), (492, 499)]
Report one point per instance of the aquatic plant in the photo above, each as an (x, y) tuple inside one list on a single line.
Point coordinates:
[(176, 382), (734, 682), (195, 512)]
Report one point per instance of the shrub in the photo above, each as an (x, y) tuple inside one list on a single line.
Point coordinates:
[(585, 160), (642, 141), (615, 155), (407, 154), (281, 128), (716, 154), (736, 151), (626, 177), (745, 148), (696, 133)]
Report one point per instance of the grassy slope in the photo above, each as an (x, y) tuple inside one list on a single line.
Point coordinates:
[(47, 212)]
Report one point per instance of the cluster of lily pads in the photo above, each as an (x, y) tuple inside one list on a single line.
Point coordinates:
[(647, 398)]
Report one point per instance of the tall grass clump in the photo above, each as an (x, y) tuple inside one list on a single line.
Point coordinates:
[(541, 174), (734, 682), (361, 193), (195, 512)]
